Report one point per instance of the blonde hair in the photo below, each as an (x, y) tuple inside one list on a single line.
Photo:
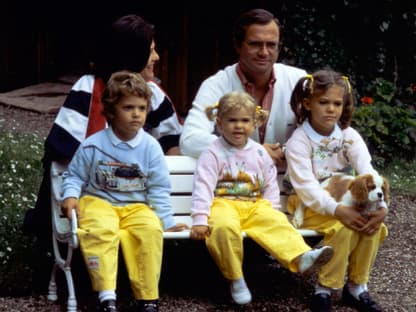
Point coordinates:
[(237, 100)]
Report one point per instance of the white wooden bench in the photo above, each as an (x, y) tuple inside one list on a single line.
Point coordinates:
[(181, 169)]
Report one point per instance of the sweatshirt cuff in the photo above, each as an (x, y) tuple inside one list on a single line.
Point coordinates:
[(71, 193), (200, 219), (332, 206), (168, 222)]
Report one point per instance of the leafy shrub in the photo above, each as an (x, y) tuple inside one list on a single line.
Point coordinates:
[(402, 176), (387, 124), (20, 173)]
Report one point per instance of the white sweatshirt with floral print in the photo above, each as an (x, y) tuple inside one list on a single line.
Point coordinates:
[(311, 158)]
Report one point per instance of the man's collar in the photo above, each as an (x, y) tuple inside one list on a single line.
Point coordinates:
[(246, 83)]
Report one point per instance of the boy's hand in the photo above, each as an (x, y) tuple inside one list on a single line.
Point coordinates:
[(199, 232), (67, 205), (177, 228)]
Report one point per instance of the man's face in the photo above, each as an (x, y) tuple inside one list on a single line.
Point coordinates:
[(259, 49)]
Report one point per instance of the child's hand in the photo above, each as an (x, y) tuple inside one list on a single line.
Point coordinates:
[(375, 218), (199, 232), (67, 205), (350, 217), (177, 228)]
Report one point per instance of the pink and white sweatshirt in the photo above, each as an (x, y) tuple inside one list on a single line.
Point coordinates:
[(311, 158), (223, 170)]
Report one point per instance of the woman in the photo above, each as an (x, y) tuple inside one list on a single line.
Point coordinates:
[(129, 46)]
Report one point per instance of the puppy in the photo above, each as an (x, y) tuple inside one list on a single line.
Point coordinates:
[(366, 192)]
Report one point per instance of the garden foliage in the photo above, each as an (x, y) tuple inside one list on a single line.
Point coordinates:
[(387, 124), (20, 173)]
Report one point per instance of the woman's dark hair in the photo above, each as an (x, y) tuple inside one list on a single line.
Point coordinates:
[(127, 46), (255, 16)]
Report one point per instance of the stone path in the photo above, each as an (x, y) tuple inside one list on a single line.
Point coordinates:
[(43, 98)]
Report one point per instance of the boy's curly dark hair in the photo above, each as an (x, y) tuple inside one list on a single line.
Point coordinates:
[(120, 84)]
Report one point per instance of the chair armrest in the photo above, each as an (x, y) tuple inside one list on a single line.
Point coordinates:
[(74, 227)]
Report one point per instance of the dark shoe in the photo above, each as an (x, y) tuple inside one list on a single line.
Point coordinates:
[(321, 303), (108, 306), (148, 306), (365, 304)]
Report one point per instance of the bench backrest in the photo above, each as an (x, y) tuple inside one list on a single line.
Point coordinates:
[(181, 169), (181, 172)]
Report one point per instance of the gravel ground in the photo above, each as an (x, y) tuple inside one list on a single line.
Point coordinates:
[(184, 288)]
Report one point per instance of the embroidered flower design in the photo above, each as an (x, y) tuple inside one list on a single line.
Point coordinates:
[(331, 146)]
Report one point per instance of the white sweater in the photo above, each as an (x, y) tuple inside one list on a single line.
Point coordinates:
[(198, 132), (312, 158)]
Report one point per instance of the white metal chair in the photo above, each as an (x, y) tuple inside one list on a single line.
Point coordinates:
[(63, 231)]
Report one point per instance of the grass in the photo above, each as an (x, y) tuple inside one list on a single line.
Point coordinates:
[(402, 176)]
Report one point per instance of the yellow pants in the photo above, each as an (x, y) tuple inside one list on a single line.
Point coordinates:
[(266, 226), (102, 227), (354, 252)]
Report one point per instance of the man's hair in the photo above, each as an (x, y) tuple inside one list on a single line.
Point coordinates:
[(255, 16), (121, 84)]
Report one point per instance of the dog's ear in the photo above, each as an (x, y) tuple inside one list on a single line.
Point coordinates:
[(358, 189), (386, 190)]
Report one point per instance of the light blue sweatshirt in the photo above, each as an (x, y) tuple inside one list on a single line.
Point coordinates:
[(121, 172)]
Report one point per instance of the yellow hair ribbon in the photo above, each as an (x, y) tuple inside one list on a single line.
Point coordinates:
[(309, 77), (347, 82), (216, 105), (259, 110)]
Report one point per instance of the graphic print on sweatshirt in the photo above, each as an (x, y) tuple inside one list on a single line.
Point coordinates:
[(120, 177), (239, 183)]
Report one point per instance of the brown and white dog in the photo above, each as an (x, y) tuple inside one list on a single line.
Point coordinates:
[(366, 192)]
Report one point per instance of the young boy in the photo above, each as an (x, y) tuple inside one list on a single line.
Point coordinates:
[(119, 185)]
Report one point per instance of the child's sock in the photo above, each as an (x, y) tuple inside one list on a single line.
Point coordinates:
[(322, 290), (106, 295), (356, 290), (240, 292)]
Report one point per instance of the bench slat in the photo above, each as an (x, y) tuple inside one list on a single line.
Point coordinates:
[(181, 204), (188, 221), (181, 183), (181, 164)]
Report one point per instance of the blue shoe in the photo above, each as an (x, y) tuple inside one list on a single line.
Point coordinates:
[(364, 304), (108, 306), (148, 306), (321, 303)]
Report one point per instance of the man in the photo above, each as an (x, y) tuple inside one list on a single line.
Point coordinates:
[(256, 38)]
